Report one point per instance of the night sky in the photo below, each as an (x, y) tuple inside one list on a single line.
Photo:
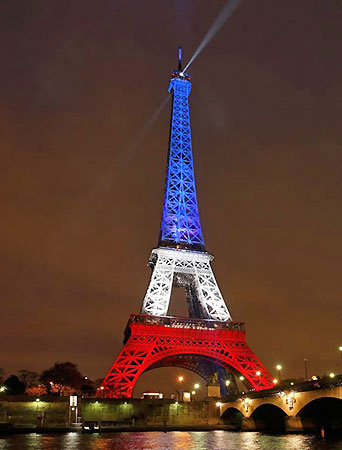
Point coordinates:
[(83, 167)]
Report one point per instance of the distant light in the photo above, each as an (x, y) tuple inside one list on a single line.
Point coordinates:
[(292, 383), (125, 403), (193, 392), (176, 403), (331, 375), (101, 387), (275, 381), (258, 373), (218, 404), (278, 367), (96, 401), (186, 396), (2, 388), (340, 348), (86, 378), (227, 382), (314, 378), (242, 378), (181, 378), (196, 386), (37, 400)]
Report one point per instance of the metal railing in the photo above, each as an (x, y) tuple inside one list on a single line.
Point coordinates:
[(186, 322)]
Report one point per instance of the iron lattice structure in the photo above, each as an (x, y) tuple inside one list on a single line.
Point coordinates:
[(153, 342), (208, 341), (180, 225), (191, 271)]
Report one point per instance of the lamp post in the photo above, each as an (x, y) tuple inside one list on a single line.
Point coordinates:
[(340, 349), (279, 367), (180, 381), (306, 369)]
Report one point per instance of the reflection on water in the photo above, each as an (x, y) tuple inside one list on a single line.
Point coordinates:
[(195, 440)]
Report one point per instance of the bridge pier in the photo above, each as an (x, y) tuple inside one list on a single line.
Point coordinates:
[(248, 424), (293, 424)]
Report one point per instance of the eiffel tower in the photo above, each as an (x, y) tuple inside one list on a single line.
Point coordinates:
[(207, 341)]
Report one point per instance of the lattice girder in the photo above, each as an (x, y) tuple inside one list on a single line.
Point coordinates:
[(150, 343), (180, 218), (168, 263)]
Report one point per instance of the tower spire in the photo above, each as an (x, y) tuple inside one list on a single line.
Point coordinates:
[(180, 69), (180, 225)]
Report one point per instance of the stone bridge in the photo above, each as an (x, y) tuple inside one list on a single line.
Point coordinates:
[(311, 407)]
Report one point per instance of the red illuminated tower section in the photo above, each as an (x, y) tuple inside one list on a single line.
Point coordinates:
[(207, 341)]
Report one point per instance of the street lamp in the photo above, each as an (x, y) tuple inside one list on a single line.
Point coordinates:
[(279, 367), (196, 386), (180, 380), (241, 378), (306, 369)]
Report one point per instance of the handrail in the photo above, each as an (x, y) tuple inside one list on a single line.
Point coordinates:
[(186, 322)]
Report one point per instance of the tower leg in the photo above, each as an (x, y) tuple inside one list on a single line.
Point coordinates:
[(157, 298), (210, 295)]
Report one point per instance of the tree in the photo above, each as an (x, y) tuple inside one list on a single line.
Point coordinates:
[(62, 373), (13, 385), (88, 390), (29, 378)]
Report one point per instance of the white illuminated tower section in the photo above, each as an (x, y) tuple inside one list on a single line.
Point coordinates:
[(180, 259)]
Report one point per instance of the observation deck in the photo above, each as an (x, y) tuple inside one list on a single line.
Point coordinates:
[(185, 322)]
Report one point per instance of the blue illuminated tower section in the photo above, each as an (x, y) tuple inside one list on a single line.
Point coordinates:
[(180, 226)]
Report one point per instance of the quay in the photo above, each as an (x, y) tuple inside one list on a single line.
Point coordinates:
[(305, 407)]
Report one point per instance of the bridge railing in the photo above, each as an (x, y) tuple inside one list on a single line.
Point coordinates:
[(186, 322)]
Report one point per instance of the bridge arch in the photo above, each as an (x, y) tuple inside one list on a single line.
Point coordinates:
[(322, 412), (270, 417), (232, 416)]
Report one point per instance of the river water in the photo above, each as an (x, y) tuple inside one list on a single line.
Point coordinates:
[(196, 440)]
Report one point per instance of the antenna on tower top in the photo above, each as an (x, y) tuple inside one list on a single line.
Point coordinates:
[(180, 69)]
